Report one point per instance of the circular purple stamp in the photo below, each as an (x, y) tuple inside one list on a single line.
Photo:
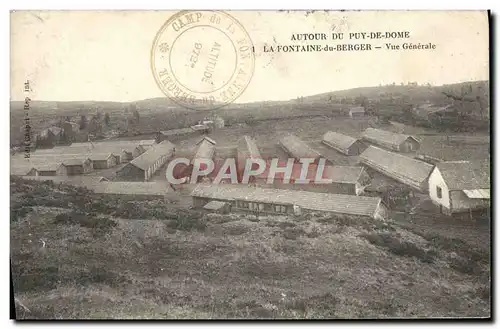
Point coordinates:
[(202, 60)]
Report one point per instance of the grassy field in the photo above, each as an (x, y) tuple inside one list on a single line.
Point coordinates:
[(102, 258)]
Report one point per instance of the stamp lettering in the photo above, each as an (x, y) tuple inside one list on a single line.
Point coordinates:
[(196, 52), (202, 60), (212, 62)]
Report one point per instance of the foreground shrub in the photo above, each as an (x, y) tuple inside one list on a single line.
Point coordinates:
[(97, 224), (293, 233), (19, 212), (458, 246), (27, 277), (98, 274), (186, 221)]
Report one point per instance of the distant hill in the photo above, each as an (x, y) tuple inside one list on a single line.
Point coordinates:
[(414, 92), (470, 98)]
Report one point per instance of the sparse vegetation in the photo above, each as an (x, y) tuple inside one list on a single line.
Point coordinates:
[(99, 225), (400, 248)]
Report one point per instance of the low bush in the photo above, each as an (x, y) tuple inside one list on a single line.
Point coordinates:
[(483, 292), (470, 259), (458, 246), (236, 229), (466, 266), (293, 233), (351, 221), (100, 275), (400, 248), (185, 221), (27, 277), (99, 225), (282, 225), (19, 212), (323, 305)]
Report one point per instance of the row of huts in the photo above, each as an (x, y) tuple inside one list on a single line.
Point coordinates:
[(144, 166), (444, 181), (79, 158), (287, 197)]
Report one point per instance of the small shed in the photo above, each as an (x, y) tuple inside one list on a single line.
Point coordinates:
[(103, 161), (74, 167), (147, 143), (201, 128), (358, 111), (44, 170)]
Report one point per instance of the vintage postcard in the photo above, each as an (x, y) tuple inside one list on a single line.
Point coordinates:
[(250, 164)]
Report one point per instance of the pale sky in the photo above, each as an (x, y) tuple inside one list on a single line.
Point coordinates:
[(105, 56)]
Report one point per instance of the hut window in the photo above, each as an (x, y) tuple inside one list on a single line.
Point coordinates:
[(261, 206), (280, 209), (439, 192)]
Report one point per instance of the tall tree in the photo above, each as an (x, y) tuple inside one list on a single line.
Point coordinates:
[(94, 125), (136, 116)]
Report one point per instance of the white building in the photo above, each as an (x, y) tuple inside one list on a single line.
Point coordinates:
[(460, 186)]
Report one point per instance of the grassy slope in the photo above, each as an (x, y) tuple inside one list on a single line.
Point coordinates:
[(159, 262)]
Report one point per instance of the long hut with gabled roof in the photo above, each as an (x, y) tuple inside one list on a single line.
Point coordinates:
[(277, 201), (342, 143), (406, 170), (390, 140), (145, 165), (297, 148)]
